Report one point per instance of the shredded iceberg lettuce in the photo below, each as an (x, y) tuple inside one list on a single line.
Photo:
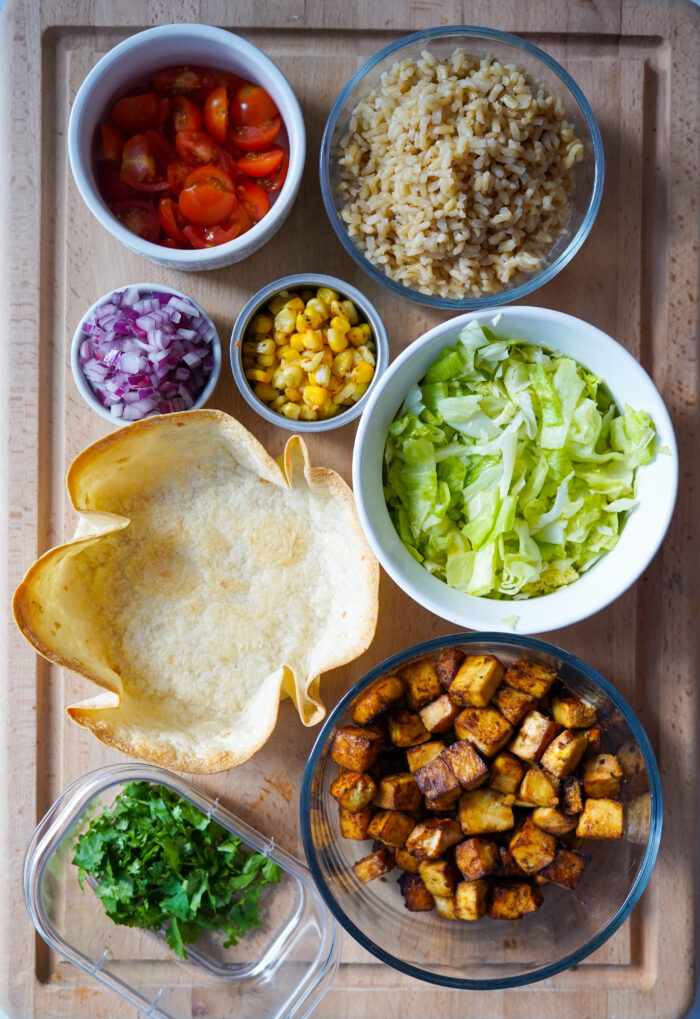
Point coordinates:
[(509, 471)]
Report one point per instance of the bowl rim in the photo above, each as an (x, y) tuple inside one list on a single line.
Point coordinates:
[(81, 382), (643, 873), (532, 282), (299, 280)]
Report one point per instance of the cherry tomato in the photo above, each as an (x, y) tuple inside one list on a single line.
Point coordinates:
[(168, 242), (196, 147), (112, 142), (275, 180), (194, 82), (164, 111), (216, 112), (185, 115), (261, 164), (251, 105), (208, 196), (229, 79), (253, 199), (257, 137), (178, 172), (161, 146), (171, 219), (113, 187), (134, 114), (228, 164), (221, 233), (142, 166), (138, 216)]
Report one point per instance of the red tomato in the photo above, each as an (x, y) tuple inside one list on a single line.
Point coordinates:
[(178, 172), (185, 115), (208, 196), (229, 79), (171, 219), (216, 112), (228, 164), (142, 165), (194, 82), (138, 216), (221, 233), (275, 181), (261, 164), (196, 147), (164, 111), (112, 142), (112, 187), (134, 114), (168, 242), (161, 146), (253, 199), (251, 105), (257, 137)]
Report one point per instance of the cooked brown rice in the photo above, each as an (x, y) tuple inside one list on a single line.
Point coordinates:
[(455, 174)]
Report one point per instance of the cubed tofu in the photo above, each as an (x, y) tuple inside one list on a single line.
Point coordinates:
[(355, 824), (439, 715), (436, 779), (553, 820), (440, 877), (445, 906), (530, 677), (377, 698), (471, 900), (447, 666), (594, 737), (406, 729), (355, 748), (513, 899), (634, 769), (570, 798), (477, 857), (531, 847), (571, 712), (466, 764), (353, 790), (392, 827), (398, 792), (422, 684), (564, 752), (476, 681), (534, 736), (484, 811), (565, 869), (505, 773), (421, 754), (602, 776), (600, 819), (486, 728), (638, 819), (513, 704), (416, 896), (432, 838), (508, 866), (442, 804), (538, 787), (406, 861), (373, 866)]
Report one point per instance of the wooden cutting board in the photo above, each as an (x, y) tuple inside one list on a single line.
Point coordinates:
[(635, 278)]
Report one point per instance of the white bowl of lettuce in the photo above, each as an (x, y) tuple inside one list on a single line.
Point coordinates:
[(515, 471)]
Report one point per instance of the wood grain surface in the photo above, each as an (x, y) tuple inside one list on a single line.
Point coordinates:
[(636, 278)]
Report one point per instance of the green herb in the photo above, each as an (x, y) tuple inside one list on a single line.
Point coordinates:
[(159, 863)]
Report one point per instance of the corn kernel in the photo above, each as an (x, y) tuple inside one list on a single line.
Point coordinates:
[(285, 320), (360, 392), (295, 304), (342, 363), (293, 394), (266, 361), (360, 334), (288, 354), (362, 373), (249, 347), (276, 303), (291, 410), (329, 409), (312, 340), (293, 376), (327, 295), (366, 354), (264, 391), (296, 340), (257, 375), (340, 323), (337, 340), (261, 324), (310, 361), (350, 312), (315, 396), (327, 357), (322, 375), (308, 413), (280, 337), (278, 402), (316, 312), (345, 393), (265, 347)]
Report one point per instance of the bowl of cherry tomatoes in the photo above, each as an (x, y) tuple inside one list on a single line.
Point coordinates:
[(187, 143)]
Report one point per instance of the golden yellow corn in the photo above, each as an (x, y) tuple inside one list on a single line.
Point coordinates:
[(264, 391), (311, 360), (296, 340), (327, 295), (249, 347), (293, 376), (281, 338), (350, 312), (345, 393), (322, 375), (340, 323), (261, 324), (291, 410), (257, 375), (265, 347), (295, 304), (308, 413), (312, 340), (276, 303), (288, 354), (315, 396), (366, 354), (362, 373), (278, 402), (285, 320), (343, 363), (266, 361), (337, 340), (293, 394), (360, 334)]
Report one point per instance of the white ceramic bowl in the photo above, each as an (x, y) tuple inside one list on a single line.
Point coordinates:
[(641, 535), (135, 59)]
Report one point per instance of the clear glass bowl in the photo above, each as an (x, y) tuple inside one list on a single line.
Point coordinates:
[(282, 968), (486, 954), (588, 187)]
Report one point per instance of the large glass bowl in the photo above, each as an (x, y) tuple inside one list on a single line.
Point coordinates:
[(588, 187), (487, 954)]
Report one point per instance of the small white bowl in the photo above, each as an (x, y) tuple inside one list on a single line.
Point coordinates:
[(84, 387), (135, 59), (641, 536)]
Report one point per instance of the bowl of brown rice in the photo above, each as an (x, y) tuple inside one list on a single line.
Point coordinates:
[(461, 167)]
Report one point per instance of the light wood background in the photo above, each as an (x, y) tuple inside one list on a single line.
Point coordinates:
[(636, 278)]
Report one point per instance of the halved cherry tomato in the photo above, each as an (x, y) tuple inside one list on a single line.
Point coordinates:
[(134, 114), (161, 146), (253, 199), (251, 105), (185, 115), (228, 164), (171, 219), (178, 172), (221, 233), (113, 187), (112, 142), (142, 165), (164, 111), (261, 164), (229, 79), (194, 82), (257, 137), (208, 196), (138, 216), (216, 112), (275, 181), (196, 147)]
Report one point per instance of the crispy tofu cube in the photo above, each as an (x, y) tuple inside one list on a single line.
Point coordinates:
[(439, 715), (508, 866), (594, 737), (355, 748), (638, 819), (354, 824), (513, 899), (447, 666), (484, 811), (633, 769), (602, 776), (440, 877), (565, 869), (534, 736), (476, 681), (430, 839), (553, 820), (477, 857), (571, 712), (377, 698), (406, 729), (540, 788), (486, 728), (563, 753), (436, 779), (422, 684), (392, 827), (398, 792), (419, 755), (471, 900), (373, 866), (530, 677), (531, 847), (445, 906), (600, 819), (353, 790), (416, 896), (442, 804), (505, 773), (570, 798), (466, 764), (406, 861), (513, 704)]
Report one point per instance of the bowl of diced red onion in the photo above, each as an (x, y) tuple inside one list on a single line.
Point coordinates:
[(145, 349)]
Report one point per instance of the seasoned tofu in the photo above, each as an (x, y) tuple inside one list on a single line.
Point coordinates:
[(553, 820), (571, 712), (484, 811), (477, 857), (445, 906), (513, 704), (534, 736), (355, 747), (443, 804), (398, 792), (508, 866), (564, 752), (634, 769), (416, 896), (531, 847), (512, 899), (406, 729), (486, 728), (392, 827), (447, 666), (505, 773), (476, 681), (440, 877), (439, 715), (353, 790), (594, 737), (422, 684), (565, 869), (602, 776), (570, 798), (638, 819), (539, 788), (432, 838), (436, 779), (377, 698), (419, 755), (406, 861), (354, 824), (373, 866), (466, 764), (471, 900), (600, 819), (530, 677)]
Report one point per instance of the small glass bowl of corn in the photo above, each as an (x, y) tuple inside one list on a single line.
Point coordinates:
[(306, 350)]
